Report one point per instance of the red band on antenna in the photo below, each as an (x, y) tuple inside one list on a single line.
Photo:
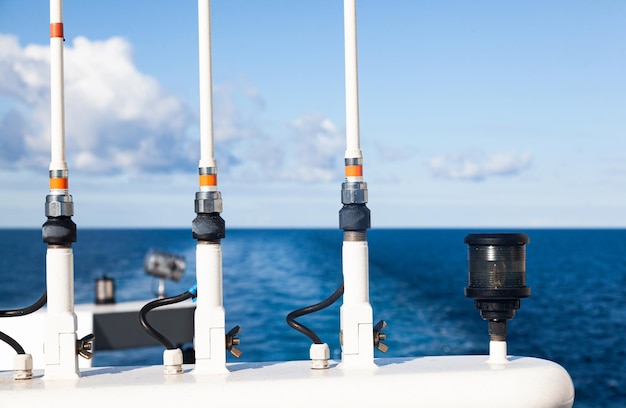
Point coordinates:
[(56, 30)]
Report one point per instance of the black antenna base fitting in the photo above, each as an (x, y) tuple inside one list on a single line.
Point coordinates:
[(59, 231), (208, 227), (354, 217)]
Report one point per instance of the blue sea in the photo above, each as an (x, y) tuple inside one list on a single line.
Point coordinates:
[(576, 314)]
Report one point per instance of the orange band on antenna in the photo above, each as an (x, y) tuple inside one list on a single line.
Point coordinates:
[(56, 30), (57, 183), (354, 171), (208, 180)]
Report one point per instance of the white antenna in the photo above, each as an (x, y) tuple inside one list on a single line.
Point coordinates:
[(208, 228), (357, 329), (59, 232), (207, 159), (353, 147)]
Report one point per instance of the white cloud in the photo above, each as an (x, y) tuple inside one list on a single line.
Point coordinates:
[(24, 71), (319, 148), (13, 128), (119, 120), (230, 123), (479, 166), (256, 97), (120, 114), (395, 153), (312, 152)]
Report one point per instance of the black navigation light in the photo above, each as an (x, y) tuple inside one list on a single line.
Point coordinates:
[(497, 277)]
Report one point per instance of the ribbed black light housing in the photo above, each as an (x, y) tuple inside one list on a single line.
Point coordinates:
[(497, 266), (497, 276)]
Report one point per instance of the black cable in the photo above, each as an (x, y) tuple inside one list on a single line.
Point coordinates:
[(311, 309), (26, 310), (11, 342), (21, 312), (158, 303)]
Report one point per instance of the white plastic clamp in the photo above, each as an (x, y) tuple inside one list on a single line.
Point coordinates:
[(23, 367), (320, 354), (173, 362)]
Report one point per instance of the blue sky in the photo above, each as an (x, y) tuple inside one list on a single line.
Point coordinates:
[(473, 114)]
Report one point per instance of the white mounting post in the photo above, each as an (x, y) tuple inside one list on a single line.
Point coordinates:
[(210, 331), (60, 347), (497, 352), (356, 314), (61, 358)]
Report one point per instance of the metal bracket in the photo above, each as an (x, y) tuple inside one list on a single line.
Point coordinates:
[(84, 346), (232, 340), (379, 336)]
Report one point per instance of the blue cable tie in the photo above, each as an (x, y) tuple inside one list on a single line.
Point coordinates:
[(194, 291)]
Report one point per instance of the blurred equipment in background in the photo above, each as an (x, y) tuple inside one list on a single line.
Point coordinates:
[(164, 265)]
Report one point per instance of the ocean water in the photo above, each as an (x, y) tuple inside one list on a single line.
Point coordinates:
[(575, 315)]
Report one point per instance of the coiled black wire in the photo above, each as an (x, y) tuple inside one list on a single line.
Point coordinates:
[(158, 303), (21, 312), (312, 309)]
